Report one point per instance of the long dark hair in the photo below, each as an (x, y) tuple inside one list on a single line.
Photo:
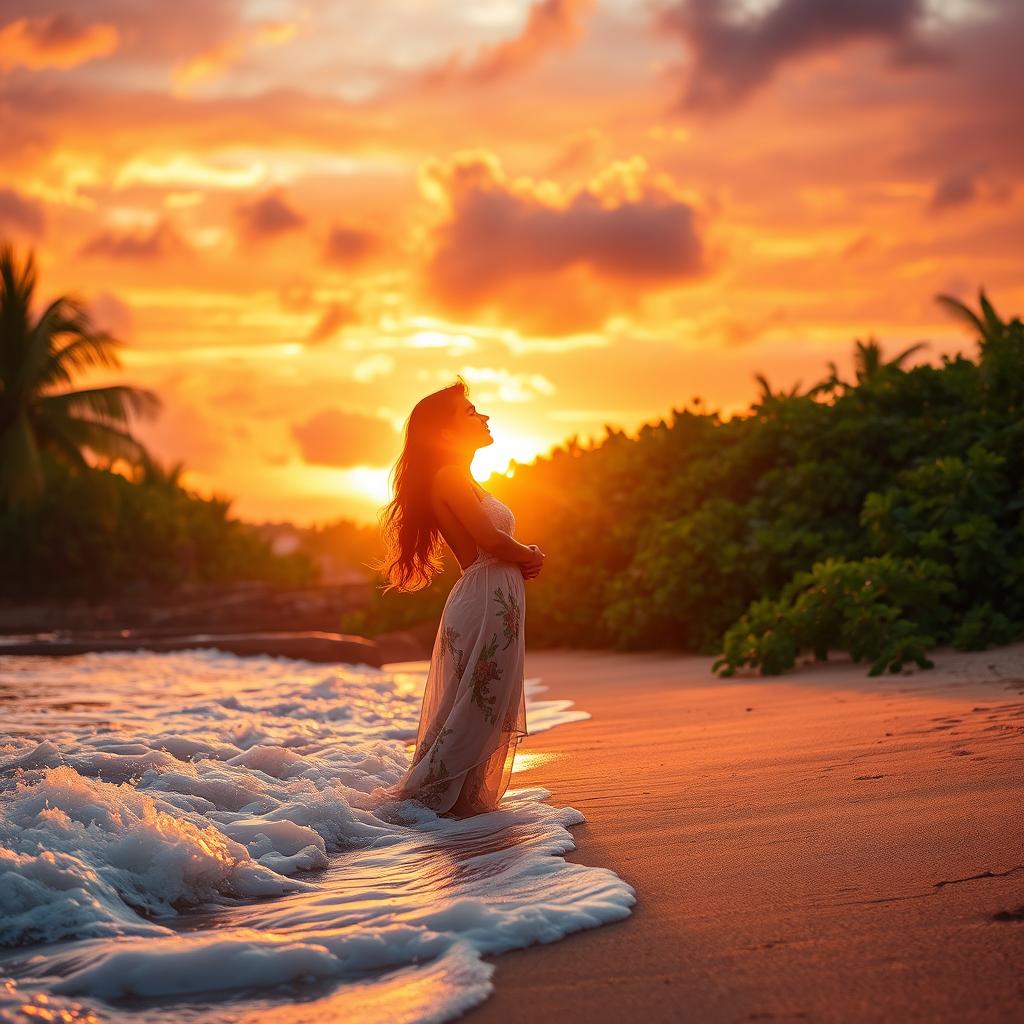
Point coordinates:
[(412, 537)]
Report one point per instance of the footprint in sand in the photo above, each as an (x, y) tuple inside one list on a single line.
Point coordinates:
[(1010, 915)]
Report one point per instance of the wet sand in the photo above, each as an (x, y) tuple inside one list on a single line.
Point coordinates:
[(821, 846)]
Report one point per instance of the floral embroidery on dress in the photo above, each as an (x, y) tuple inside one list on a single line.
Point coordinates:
[(509, 615), (449, 638), (436, 779), (437, 771), (486, 670), (431, 740)]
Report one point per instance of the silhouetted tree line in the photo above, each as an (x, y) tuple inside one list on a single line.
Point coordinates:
[(94, 533), (71, 527)]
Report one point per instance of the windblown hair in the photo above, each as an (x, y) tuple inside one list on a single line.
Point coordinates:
[(412, 536)]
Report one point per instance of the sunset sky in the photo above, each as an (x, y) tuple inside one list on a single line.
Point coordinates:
[(303, 216)]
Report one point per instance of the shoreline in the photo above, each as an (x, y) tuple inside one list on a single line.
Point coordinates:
[(305, 644), (822, 845)]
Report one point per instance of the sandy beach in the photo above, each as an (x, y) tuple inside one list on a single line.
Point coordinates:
[(822, 846)]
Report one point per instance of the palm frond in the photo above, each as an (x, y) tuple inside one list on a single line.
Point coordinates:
[(71, 342), (831, 383), (116, 403), (867, 358), (766, 388), (85, 349), (961, 312), (34, 351), (993, 322), (17, 284), (162, 475), (65, 449), (38, 356), (899, 360), (102, 439)]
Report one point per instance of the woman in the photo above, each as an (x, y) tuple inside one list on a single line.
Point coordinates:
[(474, 709)]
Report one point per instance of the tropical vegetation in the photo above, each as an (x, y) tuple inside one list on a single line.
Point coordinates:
[(881, 515), (70, 524), (39, 412)]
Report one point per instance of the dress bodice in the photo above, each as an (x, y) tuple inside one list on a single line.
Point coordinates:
[(501, 515)]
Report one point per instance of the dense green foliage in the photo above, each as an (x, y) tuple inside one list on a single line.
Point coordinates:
[(880, 516), (94, 533)]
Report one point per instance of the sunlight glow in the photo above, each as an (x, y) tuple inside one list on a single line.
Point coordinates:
[(583, 253), (370, 481), (495, 458), (439, 339), (187, 170)]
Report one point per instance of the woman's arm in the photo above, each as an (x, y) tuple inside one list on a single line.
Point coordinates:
[(456, 492)]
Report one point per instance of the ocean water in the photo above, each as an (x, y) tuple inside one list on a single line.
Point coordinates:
[(196, 836)]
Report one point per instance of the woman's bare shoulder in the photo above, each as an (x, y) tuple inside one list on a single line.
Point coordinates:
[(451, 480)]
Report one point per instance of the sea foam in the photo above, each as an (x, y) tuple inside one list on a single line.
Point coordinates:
[(205, 832)]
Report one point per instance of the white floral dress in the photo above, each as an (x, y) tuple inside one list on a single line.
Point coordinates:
[(474, 709)]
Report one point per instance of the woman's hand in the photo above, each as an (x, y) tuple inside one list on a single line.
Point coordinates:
[(532, 568)]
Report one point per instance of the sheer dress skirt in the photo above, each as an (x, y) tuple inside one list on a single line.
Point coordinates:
[(474, 708)]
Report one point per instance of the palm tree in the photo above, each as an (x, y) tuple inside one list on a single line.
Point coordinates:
[(167, 476), (767, 394), (990, 325), (1001, 346), (868, 366), (38, 358), (769, 401)]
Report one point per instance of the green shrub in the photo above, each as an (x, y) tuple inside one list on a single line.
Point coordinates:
[(885, 610)]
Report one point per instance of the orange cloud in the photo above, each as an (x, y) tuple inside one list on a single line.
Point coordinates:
[(835, 205), (579, 152), (120, 125), (217, 59), (54, 41), (967, 185), (267, 217), (550, 24), (21, 215), (336, 316), (157, 243), (348, 245), (627, 231), (334, 437), (733, 56)]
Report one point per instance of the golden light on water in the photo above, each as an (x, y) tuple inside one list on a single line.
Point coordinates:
[(528, 759)]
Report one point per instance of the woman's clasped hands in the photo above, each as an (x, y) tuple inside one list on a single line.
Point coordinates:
[(532, 568)]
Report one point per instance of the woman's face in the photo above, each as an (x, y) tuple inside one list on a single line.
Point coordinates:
[(469, 429)]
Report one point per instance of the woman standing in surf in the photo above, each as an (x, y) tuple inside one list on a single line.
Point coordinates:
[(474, 708)]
